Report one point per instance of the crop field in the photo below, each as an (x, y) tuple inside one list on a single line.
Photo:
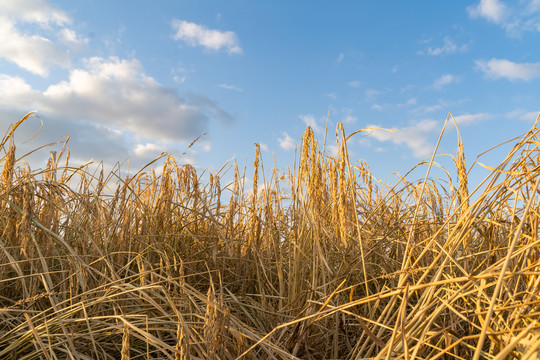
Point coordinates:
[(319, 261)]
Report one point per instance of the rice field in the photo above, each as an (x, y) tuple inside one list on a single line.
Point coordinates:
[(320, 261)]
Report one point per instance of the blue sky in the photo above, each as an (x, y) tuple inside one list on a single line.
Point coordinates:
[(130, 79)]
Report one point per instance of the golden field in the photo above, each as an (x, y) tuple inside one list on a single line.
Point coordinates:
[(320, 261)]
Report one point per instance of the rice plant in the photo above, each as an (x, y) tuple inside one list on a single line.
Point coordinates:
[(321, 261)]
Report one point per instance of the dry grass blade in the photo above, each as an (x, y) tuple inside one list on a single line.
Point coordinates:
[(105, 266)]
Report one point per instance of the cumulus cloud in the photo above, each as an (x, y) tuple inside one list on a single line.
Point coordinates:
[(286, 142), (449, 47), (415, 137), (199, 35), (116, 93), (33, 53), (444, 80), (502, 68), (492, 10)]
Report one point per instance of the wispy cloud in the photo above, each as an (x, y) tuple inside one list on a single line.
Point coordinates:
[(340, 58), (506, 69), (199, 35), (371, 93), (426, 109), (34, 11), (416, 137), (449, 47), (354, 84), (230, 87), (523, 115), (530, 116), (286, 142), (310, 121), (492, 10), (470, 119), (515, 17), (444, 80), (348, 116), (71, 39)]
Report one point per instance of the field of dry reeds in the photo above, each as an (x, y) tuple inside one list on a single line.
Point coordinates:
[(316, 262)]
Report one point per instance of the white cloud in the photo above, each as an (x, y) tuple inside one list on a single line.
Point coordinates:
[(310, 121), (530, 116), (148, 150), (415, 137), (449, 47), (534, 5), (179, 79), (354, 84), (371, 93), (411, 101), (427, 108), (348, 115), (376, 107), (117, 93), (36, 52), (522, 115), (264, 147), (514, 17), (332, 95), (502, 68), (71, 39), (340, 58), (230, 87), (199, 35), (469, 119), (286, 142), (444, 80), (33, 53), (332, 149), (493, 10), (34, 11)]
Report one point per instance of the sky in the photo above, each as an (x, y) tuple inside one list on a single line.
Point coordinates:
[(132, 79)]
